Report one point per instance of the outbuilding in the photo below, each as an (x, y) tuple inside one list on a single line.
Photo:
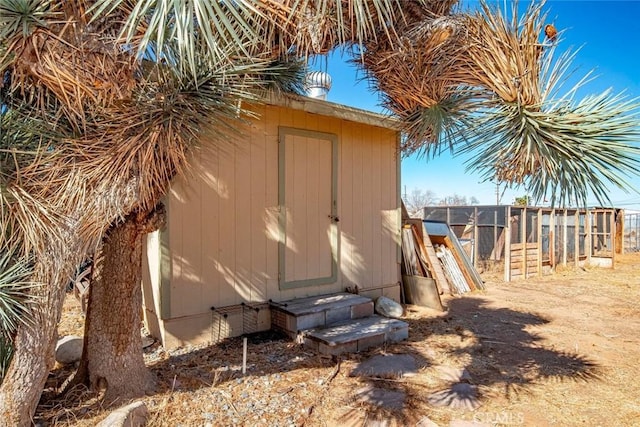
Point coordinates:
[(308, 203)]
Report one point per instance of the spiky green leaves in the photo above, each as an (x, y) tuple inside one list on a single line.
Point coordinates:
[(6, 353), (24, 142), (520, 128), (15, 300), (14, 293), (530, 134), (566, 153), (430, 131), (284, 76), (190, 24), (22, 17), (504, 54), (253, 27), (143, 142)]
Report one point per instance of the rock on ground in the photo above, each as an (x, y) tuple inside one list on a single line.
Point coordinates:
[(69, 349), (132, 415), (386, 366), (388, 307)]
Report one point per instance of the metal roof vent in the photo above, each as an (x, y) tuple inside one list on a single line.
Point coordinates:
[(317, 84)]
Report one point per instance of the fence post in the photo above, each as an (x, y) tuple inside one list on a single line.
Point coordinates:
[(552, 239), (507, 246), (539, 240), (612, 225), (564, 237), (524, 241), (475, 244), (588, 239), (619, 221), (576, 237)]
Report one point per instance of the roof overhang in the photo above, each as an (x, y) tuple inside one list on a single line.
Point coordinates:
[(330, 109)]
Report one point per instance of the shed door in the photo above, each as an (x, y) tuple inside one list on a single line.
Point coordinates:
[(307, 198)]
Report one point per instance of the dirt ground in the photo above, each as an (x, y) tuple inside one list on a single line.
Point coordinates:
[(559, 350)]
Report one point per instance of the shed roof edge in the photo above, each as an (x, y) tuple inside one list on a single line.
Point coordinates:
[(331, 109)]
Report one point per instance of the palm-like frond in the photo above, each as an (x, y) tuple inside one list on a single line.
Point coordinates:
[(25, 220), (430, 131), (531, 134), (275, 27), (22, 17), (414, 79), (504, 55), (61, 63), (15, 295), (143, 142), (564, 153), (318, 26), (284, 76), (24, 216), (123, 128), (188, 24), (416, 72)]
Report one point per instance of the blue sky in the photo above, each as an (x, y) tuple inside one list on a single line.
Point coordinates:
[(607, 35)]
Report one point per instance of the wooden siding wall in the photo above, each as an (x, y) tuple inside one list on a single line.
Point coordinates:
[(223, 217)]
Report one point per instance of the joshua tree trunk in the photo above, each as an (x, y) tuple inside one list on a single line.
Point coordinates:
[(33, 357), (112, 359)]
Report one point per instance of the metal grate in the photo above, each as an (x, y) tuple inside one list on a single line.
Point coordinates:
[(220, 328), (250, 318), (279, 319)]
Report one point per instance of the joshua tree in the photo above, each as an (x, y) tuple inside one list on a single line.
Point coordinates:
[(110, 97), (102, 102)]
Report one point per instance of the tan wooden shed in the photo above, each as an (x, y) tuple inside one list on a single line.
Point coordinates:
[(307, 204)]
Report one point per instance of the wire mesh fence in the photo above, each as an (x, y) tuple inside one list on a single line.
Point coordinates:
[(632, 232), (528, 240)]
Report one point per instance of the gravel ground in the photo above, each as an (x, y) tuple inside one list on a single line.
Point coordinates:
[(558, 350)]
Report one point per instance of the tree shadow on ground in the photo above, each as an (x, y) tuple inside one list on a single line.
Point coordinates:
[(505, 351), (275, 364), (489, 349), (273, 359)]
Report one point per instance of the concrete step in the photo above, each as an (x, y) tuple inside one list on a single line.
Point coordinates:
[(301, 314), (356, 335)]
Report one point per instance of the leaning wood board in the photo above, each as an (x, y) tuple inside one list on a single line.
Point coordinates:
[(434, 263), (456, 255)]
